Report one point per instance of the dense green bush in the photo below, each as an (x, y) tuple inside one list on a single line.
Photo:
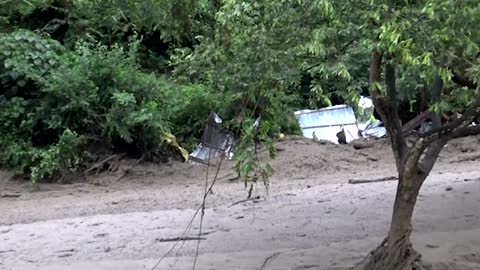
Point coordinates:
[(26, 58), (190, 108), (55, 103), (58, 105), (101, 92)]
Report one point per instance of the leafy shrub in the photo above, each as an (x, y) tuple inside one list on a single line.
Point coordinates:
[(280, 115), (25, 59), (191, 106), (100, 91), (14, 8), (57, 159), (54, 102), (61, 158)]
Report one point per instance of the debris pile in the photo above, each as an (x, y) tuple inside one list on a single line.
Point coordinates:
[(339, 124), (216, 142)]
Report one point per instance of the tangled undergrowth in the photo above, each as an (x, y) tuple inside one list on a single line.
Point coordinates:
[(61, 109)]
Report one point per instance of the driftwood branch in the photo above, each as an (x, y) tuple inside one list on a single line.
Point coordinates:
[(268, 259), (176, 239), (362, 144), (255, 199), (9, 195), (367, 181), (187, 229)]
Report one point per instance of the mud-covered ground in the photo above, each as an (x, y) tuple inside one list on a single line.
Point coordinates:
[(311, 217)]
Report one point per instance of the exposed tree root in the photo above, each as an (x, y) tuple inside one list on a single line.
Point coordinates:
[(399, 256), (129, 170), (100, 165)]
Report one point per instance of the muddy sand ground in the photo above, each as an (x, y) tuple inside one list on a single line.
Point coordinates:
[(310, 219)]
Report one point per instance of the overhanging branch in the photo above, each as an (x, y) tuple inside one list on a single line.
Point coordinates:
[(463, 80), (471, 114), (466, 131), (436, 144), (433, 141)]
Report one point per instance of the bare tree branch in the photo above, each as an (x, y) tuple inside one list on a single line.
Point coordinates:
[(466, 131), (463, 80), (415, 122), (394, 124), (436, 95), (375, 71), (387, 106), (436, 139), (471, 114), (431, 143)]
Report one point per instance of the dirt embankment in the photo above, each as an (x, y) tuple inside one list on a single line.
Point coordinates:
[(310, 219)]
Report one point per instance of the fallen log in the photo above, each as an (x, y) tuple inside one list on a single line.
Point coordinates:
[(362, 144), (366, 181), (8, 195)]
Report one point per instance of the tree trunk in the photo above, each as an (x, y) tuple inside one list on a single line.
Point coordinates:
[(396, 251), (414, 163)]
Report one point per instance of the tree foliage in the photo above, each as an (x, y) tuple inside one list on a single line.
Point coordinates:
[(131, 75), (54, 98), (94, 83)]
